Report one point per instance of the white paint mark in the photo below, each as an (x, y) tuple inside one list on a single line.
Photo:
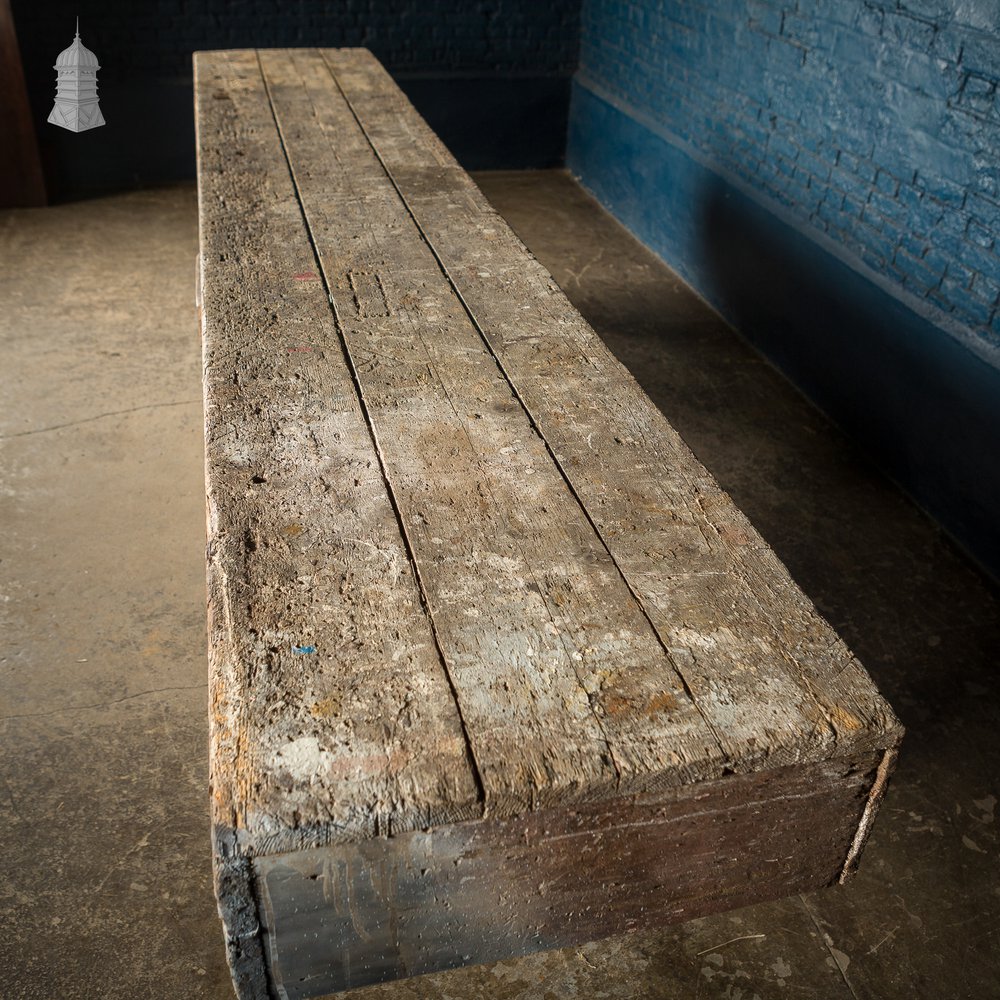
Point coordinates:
[(988, 806), (742, 937), (781, 969), (301, 757), (842, 960), (891, 935)]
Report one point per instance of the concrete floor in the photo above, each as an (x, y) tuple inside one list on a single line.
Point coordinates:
[(105, 886)]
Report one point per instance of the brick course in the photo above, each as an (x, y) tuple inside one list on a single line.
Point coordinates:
[(876, 123), (447, 36)]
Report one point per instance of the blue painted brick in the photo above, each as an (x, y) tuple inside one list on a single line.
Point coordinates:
[(909, 196), (988, 289), (947, 45), (981, 260), (940, 299), (906, 30), (852, 49), (917, 272), (981, 53), (876, 241), (984, 211), (853, 206), (764, 17), (913, 245), (872, 218), (807, 31), (979, 235), (932, 10), (966, 305), (785, 56), (814, 165), (959, 274), (784, 166), (830, 211), (886, 183), (941, 189), (871, 120), (872, 258), (869, 20), (865, 169), (781, 145)]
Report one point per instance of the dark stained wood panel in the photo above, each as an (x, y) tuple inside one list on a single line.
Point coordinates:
[(350, 915), (22, 184)]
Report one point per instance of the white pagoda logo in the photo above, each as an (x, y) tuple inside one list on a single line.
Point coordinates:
[(76, 106)]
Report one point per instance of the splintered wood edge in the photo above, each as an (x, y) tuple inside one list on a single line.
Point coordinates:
[(867, 823)]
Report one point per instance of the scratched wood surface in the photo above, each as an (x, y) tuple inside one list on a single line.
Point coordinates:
[(459, 565), (345, 916)]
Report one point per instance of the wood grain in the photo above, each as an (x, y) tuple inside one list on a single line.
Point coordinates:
[(765, 669), (463, 576), (350, 915), (564, 685)]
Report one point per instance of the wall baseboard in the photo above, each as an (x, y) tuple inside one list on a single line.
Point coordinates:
[(917, 398)]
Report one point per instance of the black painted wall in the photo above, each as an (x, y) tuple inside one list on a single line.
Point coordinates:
[(491, 76)]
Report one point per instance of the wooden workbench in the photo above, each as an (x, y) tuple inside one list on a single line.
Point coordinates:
[(495, 664)]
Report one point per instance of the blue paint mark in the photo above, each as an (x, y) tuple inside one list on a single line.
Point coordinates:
[(303, 649)]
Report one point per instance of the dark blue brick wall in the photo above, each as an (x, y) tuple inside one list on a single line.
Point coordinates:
[(827, 174), (874, 123), (157, 37), (491, 76)]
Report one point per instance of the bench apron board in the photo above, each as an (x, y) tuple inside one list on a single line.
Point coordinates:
[(495, 664)]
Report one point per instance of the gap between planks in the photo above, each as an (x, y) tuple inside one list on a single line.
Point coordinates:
[(524, 406), (369, 423), (516, 394)]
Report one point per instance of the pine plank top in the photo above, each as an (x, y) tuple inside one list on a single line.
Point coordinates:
[(459, 563)]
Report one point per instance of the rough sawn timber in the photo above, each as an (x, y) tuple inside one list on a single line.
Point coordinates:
[(495, 664)]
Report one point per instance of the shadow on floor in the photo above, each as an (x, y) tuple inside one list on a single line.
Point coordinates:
[(105, 888), (922, 618)]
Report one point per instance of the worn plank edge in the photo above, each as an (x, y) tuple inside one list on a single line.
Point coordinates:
[(640, 604), (867, 822), (369, 423)]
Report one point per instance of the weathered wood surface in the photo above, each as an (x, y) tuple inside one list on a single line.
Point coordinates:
[(349, 915), (459, 565)]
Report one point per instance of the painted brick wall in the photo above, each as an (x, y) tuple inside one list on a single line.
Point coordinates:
[(876, 123), (157, 38)]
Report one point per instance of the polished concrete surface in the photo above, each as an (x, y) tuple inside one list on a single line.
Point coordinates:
[(105, 887)]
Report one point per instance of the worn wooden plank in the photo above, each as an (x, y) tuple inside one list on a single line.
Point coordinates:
[(354, 914), (765, 668), (564, 686), (464, 578), (360, 735)]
